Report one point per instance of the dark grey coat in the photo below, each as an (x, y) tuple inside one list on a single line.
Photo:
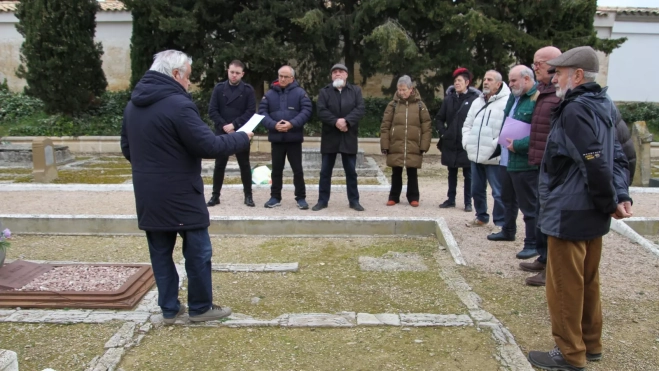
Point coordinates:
[(583, 175), (449, 121), (333, 105)]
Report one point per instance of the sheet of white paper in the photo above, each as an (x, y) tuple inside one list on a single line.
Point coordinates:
[(252, 123)]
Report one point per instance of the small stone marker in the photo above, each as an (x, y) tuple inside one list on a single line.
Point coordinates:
[(642, 139), (19, 273), (43, 159)]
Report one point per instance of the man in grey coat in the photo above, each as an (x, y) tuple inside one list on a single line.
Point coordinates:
[(340, 107)]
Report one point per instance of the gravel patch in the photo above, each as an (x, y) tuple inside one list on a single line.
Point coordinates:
[(393, 262), (81, 278)]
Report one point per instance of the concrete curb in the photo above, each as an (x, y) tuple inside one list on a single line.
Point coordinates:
[(624, 229)]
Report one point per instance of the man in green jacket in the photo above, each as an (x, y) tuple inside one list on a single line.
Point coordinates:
[(519, 180)]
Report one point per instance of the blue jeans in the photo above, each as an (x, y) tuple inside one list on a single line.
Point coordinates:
[(197, 251), (325, 186), (480, 176)]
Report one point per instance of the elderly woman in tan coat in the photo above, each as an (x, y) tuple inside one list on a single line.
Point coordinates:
[(405, 136)]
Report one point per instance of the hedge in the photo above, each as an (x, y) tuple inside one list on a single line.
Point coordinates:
[(22, 115)]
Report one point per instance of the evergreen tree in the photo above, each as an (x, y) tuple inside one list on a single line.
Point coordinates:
[(60, 61)]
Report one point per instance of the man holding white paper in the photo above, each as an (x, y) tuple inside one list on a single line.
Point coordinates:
[(232, 104), (519, 180)]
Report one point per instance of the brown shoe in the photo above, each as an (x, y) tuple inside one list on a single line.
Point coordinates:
[(537, 280), (391, 203), (536, 266), (476, 223)]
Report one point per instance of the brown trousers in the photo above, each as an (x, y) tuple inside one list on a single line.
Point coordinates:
[(573, 297)]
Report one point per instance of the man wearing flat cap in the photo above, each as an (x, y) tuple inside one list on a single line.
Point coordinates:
[(583, 183), (340, 107)]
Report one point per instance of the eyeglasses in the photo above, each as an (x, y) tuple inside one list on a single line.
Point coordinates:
[(281, 77), (538, 63)]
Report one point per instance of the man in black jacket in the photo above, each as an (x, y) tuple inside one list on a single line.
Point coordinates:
[(164, 139), (582, 184), (232, 105), (340, 107)]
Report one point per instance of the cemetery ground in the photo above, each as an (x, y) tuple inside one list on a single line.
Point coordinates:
[(331, 280)]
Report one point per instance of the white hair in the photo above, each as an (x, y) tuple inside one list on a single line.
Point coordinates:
[(587, 76), (290, 68), (169, 60), (405, 80), (497, 75), (525, 71)]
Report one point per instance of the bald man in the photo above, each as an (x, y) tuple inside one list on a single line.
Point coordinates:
[(540, 125)]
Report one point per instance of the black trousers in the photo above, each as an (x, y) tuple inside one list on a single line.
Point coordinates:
[(325, 186), (292, 151), (397, 184), (245, 173), (453, 183), (519, 189)]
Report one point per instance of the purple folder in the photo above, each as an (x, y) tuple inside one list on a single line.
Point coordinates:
[(513, 129)]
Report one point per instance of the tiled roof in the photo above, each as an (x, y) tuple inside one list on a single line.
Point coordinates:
[(106, 6), (650, 12)]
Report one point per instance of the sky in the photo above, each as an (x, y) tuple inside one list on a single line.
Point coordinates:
[(629, 3)]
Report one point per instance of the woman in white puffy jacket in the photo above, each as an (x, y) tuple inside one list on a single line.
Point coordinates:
[(480, 134)]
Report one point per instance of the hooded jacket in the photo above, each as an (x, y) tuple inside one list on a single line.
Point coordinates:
[(583, 175), (164, 139), (291, 104), (449, 121), (406, 131), (480, 132)]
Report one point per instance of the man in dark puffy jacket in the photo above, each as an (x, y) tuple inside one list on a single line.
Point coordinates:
[(583, 182), (625, 138), (232, 105), (164, 139), (286, 107), (340, 107)]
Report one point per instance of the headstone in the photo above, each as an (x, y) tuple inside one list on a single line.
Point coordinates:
[(642, 139), (43, 158), (19, 273)]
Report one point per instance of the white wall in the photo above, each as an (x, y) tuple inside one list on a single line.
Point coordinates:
[(633, 75), (113, 30)]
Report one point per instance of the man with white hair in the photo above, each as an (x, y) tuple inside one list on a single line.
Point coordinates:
[(583, 183), (480, 134), (519, 180), (340, 107), (164, 139)]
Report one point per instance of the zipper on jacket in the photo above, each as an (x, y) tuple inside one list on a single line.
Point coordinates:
[(478, 142), (405, 147)]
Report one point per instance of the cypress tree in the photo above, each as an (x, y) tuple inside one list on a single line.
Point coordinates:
[(60, 60)]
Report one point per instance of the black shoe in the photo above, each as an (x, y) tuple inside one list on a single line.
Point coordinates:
[(319, 206), (500, 236), (446, 204), (356, 206), (552, 360), (215, 200), (249, 201), (593, 357), (527, 254), (468, 208)]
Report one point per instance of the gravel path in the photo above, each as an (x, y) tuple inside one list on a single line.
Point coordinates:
[(624, 264)]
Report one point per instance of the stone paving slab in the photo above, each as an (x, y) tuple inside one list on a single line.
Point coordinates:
[(367, 319), (121, 337), (428, 319), (317, 320)]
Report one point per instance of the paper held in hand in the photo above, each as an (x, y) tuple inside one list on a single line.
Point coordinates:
[(252, 123), (513, 129)]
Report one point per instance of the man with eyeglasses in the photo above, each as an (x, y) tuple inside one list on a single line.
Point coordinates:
[(286, 107), (540, 125)]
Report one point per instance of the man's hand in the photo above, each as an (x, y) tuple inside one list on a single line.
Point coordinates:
[(228, 128), (281, 126), (250, 135), (624, 210), (342, 125), (510, 146)]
